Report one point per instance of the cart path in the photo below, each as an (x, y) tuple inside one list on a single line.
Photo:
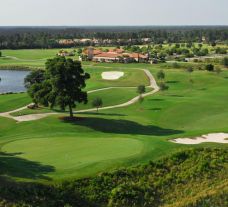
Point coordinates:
[(31, 117)]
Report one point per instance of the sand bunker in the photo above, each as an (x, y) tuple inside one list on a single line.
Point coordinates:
[(216, 137), (112, 75)]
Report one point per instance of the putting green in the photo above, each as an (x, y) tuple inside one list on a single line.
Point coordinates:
[(67, 155)]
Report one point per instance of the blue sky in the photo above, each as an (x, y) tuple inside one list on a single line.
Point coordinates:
[(113, 12)]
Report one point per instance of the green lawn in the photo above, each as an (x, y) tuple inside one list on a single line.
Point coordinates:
[(15, 101), (32, 54), (28, 57), (71, 154), (51, 148), (130, 78), (109, 97)]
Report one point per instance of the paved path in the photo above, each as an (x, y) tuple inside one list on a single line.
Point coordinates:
[(31, 117)]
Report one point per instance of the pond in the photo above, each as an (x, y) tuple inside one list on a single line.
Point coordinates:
[(12, 81)]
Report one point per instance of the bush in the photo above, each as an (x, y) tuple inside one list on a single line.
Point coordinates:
[(176, 65), (161, 75), (97, 103), (163, 86), (141, 89), (132, 195), (225, 61), (195, 177), (209, 67)]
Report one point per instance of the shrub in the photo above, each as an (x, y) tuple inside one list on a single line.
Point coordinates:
[(225, 61), (209, 67), (161, 75), (176, 65), (163, 86)]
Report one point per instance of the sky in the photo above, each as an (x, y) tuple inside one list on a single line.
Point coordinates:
[(112, 12)]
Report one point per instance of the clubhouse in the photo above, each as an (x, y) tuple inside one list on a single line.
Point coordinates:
[(113, 55)]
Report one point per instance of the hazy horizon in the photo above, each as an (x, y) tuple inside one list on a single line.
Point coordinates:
[(118, 13)]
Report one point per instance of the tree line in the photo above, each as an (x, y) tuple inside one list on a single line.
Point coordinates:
[(47, 37)]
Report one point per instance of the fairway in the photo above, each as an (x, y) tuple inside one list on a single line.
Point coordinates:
[(68, 155), (53, 149), (13, 101)]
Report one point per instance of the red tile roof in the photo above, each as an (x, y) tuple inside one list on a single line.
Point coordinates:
[(108, 55)]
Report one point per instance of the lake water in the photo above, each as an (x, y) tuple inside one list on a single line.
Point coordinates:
[(12, 81)]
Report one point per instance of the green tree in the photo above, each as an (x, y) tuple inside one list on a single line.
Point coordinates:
[(140, 99), (141, 89), (64, 80), (0, 53), (97, 103), (209, 67), (200, 45), (163, 86), (225, 62), (161, 75), (33, 83), (190, 71)]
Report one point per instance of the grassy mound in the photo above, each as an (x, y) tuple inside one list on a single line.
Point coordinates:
[(190, 178)]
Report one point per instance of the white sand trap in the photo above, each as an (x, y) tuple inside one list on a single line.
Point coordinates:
[(112, 75), (31, 117), (216, 137)]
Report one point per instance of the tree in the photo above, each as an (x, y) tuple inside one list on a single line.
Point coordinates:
[(0, 53), (141, 89), (225, 61), (163, 86), (140, 99), (161, 75), (209, 67), (189, 69), (97, 103), (200, 45), (33, 82), (62, 86), (36, 76)]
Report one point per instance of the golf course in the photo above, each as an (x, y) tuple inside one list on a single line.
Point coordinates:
[(53, 149)]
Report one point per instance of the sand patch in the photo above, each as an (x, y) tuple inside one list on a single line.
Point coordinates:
[(112, 75), (31, 117), (215, 137)]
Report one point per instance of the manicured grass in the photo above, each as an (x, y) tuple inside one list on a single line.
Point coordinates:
[(109, 97), (186, 109), (13, 101), (129, 79), (32, 54), (28, 57), (67, 155)]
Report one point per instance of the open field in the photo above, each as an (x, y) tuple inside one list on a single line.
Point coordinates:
[(54, 149)]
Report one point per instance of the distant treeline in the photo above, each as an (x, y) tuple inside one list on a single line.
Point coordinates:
[(48, 37)]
